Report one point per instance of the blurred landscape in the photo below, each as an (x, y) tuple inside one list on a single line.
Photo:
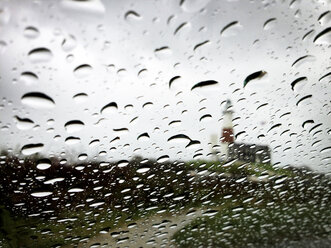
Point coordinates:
[(68, 204)]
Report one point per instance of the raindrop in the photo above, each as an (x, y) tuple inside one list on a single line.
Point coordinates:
[(193, 144), (325, 76), (28, 78), (181, 26), (41, 194), (262, 105), (239, 133), (133, 15), (38, 100), (303, 98), (31, 32), (32, 148), (109, 108), (231, 29), (142, 73), (204, 84), (143, 170), (163, 159), (148, 105), (74, 126), (206, 117), (210, 213), (24, 123), (69, 43), (200, 45), (270, 23), (274, 126), (75, 190), (162, 52), (121, 131), (302, 59), (193, 5), (143, 137), (41, 54), (44, 164), (324, 37), (54, 180), (122, 163), (94, 143), (175, 123), (87, 6), (308, 34), (179, 138), (72, 140), (83, 70), (253, 76), (172, 80), (326, 149), (296, 81), (325, 18), (82, 156), (80, 98), (307, 122)]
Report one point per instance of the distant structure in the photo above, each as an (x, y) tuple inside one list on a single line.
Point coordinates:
[(229, 149), (227, 137)]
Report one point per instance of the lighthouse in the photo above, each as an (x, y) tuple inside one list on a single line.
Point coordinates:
[(227, 136)]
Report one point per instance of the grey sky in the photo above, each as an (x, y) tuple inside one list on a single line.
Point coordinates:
[(118, 40)]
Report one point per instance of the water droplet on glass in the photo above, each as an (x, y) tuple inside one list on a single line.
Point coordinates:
[(80, 98), (163, 159), (254, 76), (31, 32), (193, 5), (204, 84), (143, 170), (38, 100), (24, 123), (122, 163), (94, 7), (132, 15), (231, 29), (324, 37), (110, 108), (75, 190), (44, 164), (143, 137), (69, 43), (325, 18), (72, 140), (269, 24), (83, 70), (163, 52), (28, 78), (303, 59), (74, 126), (39, 55), (297, 82), (32, 148), (41, 194)]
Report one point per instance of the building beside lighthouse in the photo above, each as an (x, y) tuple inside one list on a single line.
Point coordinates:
[(230, 149)]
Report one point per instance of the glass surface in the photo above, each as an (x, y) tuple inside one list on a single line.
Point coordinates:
[(165, 123)]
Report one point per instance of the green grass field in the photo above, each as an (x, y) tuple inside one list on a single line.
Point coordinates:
[(290, 204)]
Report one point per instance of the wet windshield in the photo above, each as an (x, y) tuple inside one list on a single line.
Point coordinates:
[(184, 123)]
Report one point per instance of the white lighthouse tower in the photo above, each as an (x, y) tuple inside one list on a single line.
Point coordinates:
[(227, 136)]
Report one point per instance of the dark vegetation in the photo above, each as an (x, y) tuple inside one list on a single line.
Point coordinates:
[(114, 193)]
